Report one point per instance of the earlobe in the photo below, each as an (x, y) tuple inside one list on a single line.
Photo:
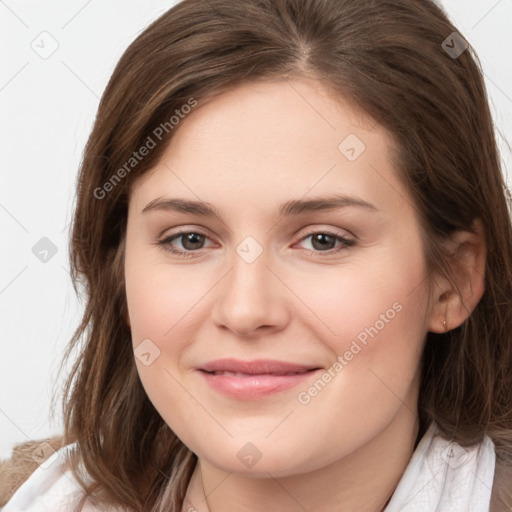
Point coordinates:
[(455, 299)]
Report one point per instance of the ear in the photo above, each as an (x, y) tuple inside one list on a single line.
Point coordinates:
[(453, 302)]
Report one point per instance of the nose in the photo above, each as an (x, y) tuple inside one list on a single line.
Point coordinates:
[(251, 300)]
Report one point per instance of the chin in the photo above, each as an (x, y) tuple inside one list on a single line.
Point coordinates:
[(259, 458)]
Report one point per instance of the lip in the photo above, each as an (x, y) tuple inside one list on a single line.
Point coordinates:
[(254, 379)]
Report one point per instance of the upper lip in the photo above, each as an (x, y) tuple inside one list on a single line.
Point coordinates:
[(256, 367)]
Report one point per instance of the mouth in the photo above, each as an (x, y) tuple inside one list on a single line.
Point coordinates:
[(240, 374), (250, 380), (256, 367)]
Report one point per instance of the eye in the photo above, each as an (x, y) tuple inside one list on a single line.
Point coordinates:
[(191, 242), (324, 242)]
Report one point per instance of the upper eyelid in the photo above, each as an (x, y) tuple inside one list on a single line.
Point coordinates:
[(308, 232)]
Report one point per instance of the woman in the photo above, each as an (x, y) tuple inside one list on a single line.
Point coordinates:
[(294, 238)]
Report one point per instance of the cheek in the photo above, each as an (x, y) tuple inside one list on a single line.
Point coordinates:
[(376, 352), (375, 313), (377, 297), (158, 304), (160, 298)]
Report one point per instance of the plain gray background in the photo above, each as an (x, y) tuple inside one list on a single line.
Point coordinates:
[(56, 60)]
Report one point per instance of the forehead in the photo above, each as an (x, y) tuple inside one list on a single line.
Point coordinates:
[(267, 142)]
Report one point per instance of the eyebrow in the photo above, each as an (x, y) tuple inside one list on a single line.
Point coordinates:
[(289, 208)]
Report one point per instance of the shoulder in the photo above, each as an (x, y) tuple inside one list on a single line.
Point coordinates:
[(51, 486), (23, 462)]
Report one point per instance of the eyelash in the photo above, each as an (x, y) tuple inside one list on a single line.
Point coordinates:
[(165, 243)]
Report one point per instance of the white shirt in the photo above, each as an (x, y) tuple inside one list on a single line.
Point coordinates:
[(53, 488), (444, 477), (441, 476)]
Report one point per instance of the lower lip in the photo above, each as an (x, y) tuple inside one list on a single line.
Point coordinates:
[(254, 386)]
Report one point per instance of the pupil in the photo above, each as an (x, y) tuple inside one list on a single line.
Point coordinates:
[(192, 239), (321, 237)]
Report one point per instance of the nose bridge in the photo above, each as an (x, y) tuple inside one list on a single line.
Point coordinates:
[(250, 295), (249, 277)]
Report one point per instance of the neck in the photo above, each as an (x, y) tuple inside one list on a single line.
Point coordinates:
[(363, 481)]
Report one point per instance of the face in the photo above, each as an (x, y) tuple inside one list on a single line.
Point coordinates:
[(314, 258)]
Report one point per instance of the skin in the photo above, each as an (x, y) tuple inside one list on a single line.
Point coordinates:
[(246, 152)]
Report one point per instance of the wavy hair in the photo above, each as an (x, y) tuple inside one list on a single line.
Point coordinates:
[(388, 59)]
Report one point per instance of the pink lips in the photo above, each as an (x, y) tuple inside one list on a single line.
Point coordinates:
[(254, 379)]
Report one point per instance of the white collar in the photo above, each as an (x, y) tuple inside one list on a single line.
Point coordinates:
[(442, 476)]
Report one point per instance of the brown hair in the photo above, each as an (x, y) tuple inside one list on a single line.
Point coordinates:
[(385, 57)]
